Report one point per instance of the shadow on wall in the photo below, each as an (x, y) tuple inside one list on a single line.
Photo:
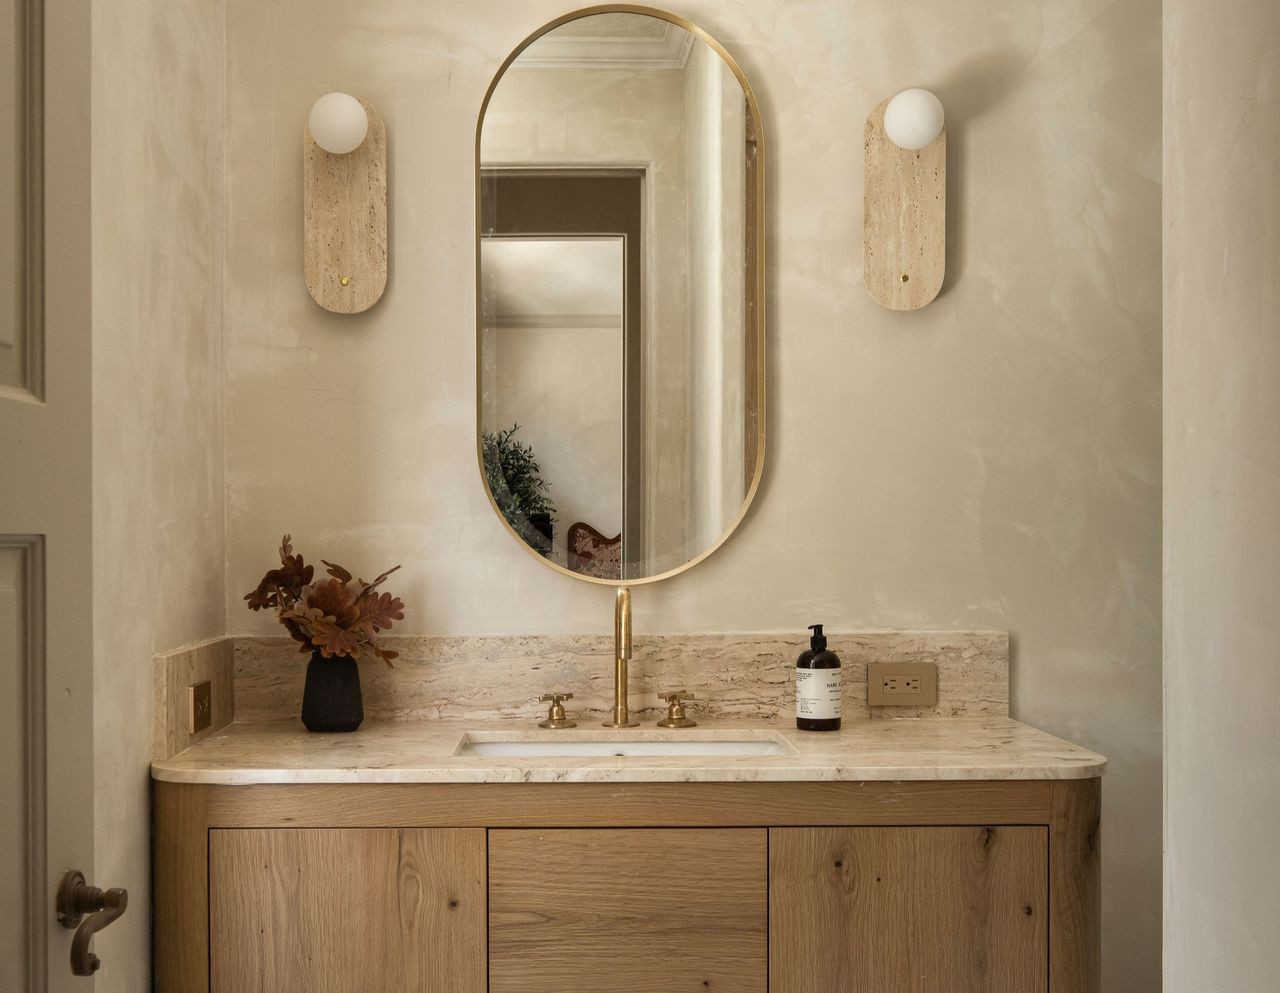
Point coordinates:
[(968, 92)]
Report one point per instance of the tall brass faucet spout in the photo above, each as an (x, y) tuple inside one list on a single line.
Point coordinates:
[(621, 656)]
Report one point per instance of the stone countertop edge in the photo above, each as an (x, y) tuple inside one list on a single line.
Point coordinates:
[(410, 751)]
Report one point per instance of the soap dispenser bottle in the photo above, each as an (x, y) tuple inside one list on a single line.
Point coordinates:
[(818, 686)]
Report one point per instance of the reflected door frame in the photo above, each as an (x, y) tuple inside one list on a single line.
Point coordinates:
[(560, 202)]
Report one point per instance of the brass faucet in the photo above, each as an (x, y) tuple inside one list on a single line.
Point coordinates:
[(556, 717), (676, 715), (621, 656)]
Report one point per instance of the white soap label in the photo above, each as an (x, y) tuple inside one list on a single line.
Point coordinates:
[(818, 693)]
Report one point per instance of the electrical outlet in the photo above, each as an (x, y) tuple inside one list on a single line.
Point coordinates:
[(200, 711), (914, 684)]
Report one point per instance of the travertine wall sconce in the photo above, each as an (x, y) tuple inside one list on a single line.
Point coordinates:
[(905, 201), (344, 165)]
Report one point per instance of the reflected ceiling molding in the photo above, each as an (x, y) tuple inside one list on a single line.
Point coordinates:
[(668, 49)]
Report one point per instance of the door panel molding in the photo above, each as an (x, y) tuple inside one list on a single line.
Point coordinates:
[(22, 616), (32, 27), (26, 381)]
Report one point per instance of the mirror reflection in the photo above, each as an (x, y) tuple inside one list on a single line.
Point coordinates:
[(619, 343)]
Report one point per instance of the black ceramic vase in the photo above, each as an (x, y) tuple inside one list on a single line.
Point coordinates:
[(331, 700)]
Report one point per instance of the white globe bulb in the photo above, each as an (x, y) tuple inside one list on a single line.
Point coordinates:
[(913, 119), (338, 123)]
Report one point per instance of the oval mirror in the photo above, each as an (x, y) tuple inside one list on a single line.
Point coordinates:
[(620, 345)]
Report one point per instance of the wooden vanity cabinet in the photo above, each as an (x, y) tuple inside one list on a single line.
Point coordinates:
[(628, 910), (355, 910), (909, 909), (878, 887)]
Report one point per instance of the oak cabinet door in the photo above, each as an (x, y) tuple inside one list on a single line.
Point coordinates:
[(628, 911), (909, 910), (347, 911)]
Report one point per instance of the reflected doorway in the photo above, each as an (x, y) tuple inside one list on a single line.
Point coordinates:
[(562, 259)]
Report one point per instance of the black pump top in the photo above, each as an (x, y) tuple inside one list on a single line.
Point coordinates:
[(819, 641)]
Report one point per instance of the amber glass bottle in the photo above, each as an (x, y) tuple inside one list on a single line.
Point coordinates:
[(818, 686)]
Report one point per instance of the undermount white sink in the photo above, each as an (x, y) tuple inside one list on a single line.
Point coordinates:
[(498, 746)]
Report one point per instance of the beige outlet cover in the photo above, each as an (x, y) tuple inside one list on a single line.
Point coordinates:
[(200, 706), (878, 673)]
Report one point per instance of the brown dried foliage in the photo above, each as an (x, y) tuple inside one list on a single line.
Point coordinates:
[(339, 616)]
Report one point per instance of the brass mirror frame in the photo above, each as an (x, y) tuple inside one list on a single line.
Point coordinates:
[(754, 325)]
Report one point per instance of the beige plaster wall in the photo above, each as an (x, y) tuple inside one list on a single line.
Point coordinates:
[(158, 487), (1222, 494), (992, 461)]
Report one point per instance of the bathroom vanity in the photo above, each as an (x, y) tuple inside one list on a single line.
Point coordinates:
[(623, 147), (956, 854)]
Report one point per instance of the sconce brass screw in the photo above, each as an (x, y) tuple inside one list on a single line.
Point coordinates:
[(346, 279), (905, 277)]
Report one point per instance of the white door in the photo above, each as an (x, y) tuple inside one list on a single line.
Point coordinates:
[(46, 640)]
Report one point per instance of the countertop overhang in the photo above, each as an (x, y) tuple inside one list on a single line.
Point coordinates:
[(409, 751)]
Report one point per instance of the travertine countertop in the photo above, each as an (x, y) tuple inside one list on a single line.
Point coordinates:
[(952, 748)]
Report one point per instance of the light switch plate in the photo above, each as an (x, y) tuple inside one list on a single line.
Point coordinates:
[(200, 709), (913, 684)]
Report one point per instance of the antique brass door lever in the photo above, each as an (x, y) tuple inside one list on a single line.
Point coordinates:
[(76, 898)]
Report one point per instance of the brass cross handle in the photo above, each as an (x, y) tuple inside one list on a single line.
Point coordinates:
[(676, 717), (76, 898), (556, 717)]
